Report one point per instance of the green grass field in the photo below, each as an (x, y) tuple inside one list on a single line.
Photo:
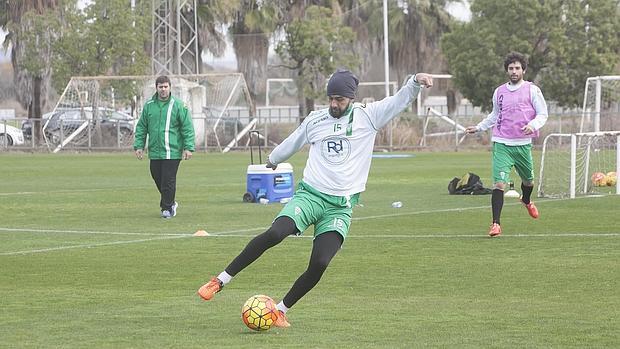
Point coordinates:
[(86, 262)]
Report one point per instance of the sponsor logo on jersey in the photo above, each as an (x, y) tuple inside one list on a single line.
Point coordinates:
[(319, 120), (500, 117), (335, 149)]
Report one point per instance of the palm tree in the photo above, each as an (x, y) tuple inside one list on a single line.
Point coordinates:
[(415, 34), (415, 28), (212, 15), (254, 23)]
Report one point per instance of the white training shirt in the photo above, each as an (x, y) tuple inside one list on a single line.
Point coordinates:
[(538, 101), (341, 149)]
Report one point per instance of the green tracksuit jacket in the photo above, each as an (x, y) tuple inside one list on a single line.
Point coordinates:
[(169, 127)]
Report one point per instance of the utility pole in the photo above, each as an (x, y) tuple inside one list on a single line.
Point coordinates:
[(175, 38)]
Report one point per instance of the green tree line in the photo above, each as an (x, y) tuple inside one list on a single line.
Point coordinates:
[(566, 41)]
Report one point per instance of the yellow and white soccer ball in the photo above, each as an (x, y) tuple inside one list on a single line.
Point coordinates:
[(611, 178), (259, 313), (599, 179)]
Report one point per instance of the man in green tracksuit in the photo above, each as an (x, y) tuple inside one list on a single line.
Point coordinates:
[(170, 131)]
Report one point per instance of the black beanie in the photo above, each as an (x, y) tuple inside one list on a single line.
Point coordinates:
[(342, 83)]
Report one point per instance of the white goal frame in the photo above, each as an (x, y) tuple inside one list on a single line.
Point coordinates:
[(574, 186), (593, 103), (214, 100)]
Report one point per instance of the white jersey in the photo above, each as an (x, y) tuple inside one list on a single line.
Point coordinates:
[(341, 148)]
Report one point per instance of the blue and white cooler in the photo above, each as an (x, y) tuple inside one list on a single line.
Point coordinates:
[(265, 185)]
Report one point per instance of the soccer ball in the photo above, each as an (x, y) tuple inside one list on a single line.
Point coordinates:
[(259, 313), (599, 179), (611, 178)]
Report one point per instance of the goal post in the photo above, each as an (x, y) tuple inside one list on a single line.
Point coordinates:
[(601, 104), (571, 164), (579, 163), (102, 111)]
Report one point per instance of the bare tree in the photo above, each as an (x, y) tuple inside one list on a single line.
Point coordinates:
[(31, 78)]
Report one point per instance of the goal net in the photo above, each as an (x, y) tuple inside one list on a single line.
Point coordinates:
[(601, 104), (445, 114), (102, 112), (580, 164)]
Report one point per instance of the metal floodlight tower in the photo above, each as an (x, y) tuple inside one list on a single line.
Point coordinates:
[(175, 38)]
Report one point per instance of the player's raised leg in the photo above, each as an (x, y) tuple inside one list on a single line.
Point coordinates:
[(280, 229), (324, 248)]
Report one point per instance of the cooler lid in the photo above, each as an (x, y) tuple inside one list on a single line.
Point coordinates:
[(284, 167)]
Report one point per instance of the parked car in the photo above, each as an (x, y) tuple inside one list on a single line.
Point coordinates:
[(70, 119), (10, 135)]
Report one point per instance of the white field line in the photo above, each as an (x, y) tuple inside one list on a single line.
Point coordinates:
[(456, 209), (85, 190), (449, 236), (438, 236), (160, 237), (404, 213), (29, 230), (89, 245), (44, 231), (234, 233), (67, 191)]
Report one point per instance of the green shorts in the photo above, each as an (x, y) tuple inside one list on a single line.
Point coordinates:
[(327, 212), (507, 156)]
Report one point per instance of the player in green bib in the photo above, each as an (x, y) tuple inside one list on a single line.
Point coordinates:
[(341, 140)]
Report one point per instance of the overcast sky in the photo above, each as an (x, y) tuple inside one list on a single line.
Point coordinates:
[(460, 10)]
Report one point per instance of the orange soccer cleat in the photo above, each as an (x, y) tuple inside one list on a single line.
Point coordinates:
[(495, 230), (208, 290), (531, 209), (281, 321)]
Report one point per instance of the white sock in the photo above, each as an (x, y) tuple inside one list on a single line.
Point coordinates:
[(224, 277), (283, 308)]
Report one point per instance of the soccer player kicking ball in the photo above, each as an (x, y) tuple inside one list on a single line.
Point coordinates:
[(341, 140), (519, 111)]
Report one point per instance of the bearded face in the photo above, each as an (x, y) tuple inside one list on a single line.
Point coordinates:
[(515, 72), (338, 105)]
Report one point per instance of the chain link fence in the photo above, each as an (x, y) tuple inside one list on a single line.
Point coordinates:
[(408, 131)]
